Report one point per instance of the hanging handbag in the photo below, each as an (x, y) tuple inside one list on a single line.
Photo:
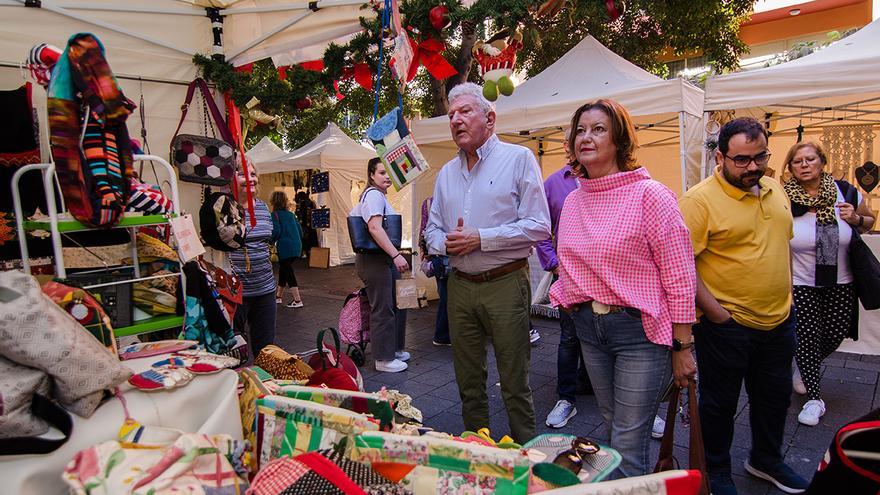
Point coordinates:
[(863, 264), (696, 451), (359, 233), (203, 159)]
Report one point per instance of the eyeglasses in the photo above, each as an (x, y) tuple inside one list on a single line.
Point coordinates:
[(743, 161), (573, 458), (809, 160)]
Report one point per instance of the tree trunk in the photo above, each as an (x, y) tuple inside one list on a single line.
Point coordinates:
[(462, 63)]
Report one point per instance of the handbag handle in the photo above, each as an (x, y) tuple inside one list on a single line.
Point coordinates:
[(53, 414), (320, 345), (326, 469), (215, 112), (696, 451)]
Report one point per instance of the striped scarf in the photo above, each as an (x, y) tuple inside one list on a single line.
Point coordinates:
[(827, 234)]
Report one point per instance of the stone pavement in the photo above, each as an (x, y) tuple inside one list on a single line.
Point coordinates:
[(849, 381)]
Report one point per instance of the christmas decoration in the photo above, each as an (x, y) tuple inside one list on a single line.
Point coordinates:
[(496, 59), (439, 17), (255, 116)]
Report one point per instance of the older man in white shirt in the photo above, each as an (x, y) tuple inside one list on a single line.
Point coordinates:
[(488, 211)]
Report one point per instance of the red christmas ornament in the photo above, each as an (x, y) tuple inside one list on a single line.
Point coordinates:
[(439, 17), (613, 13), (303, 103)]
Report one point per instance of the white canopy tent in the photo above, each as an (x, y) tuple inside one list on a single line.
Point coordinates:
[(833, 89), (150, 45), (346, 161)]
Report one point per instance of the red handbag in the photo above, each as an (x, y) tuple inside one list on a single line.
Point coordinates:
[(327, 359)]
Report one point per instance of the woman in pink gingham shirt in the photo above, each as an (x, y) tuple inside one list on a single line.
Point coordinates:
[(626, 275)]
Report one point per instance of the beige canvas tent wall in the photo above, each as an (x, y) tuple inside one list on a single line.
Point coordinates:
[(346, 161), (834, 87), (150, 45)]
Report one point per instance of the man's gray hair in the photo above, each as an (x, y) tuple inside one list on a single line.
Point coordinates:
[(471, 89)]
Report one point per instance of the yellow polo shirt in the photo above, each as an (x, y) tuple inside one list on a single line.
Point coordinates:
[(741, 247)]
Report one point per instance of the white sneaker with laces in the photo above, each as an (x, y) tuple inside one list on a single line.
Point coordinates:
[(392, 366), (294, 304), (797, 382), (659, 427), (812, 411), (534, 336), (561, 413), (402, 355)]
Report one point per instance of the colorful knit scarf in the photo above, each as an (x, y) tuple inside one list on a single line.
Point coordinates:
[(827, 234)]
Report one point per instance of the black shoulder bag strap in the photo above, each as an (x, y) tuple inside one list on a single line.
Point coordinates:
[(53, 414)]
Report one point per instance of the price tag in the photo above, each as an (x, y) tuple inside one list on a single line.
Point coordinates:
[(188, 244)]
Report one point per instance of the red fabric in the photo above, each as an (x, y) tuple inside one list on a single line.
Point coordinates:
[(427, 52), (313, 65), (339, 96), (622, 241), (333, 378), (330, 472), (282, 72), (277, 476), (234, 123), (363, 76), (248, 68), (684, 485)]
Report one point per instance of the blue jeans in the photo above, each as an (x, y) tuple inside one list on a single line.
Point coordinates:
[(629, 374), (728, 354), (570, 368), (441, 274)]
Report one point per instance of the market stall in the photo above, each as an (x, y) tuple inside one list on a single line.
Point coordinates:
[(832, 97)]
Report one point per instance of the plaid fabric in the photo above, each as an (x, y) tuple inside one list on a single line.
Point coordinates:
[(277, 476), (622, 240)]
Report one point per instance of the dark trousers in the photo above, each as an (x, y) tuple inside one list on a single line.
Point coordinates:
[(728, 354), (570, 370), (257, 313), (441, 327), (387, 323)]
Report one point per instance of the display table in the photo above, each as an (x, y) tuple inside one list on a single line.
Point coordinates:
[(869, 321), (208, 404)]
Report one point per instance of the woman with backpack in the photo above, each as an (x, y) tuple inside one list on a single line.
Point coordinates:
[(289, 247), (379, 271), (252, 265)]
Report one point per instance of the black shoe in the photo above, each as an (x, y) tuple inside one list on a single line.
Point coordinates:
[(782, 476), (721, 484), (440, 343)]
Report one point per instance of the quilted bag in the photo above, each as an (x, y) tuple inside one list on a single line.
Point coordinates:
[(396, 147), (289, 427), (283, 366), (148, 460), (373, 404), (327, 359), (354, 319), (203, 159), (221, 221), (430, 465), (36, 333)]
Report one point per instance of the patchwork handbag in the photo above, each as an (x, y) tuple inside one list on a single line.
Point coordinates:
[(85, 309), (147, 198), (373, 404), (396, 147), (203, 159), (221, 221)]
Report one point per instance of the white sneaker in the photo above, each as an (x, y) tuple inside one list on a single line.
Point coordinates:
[(797, 382), (812, 411), (392, 366), (561, 413), (659, 427), (294, 304), (402, 355), (534, 336)]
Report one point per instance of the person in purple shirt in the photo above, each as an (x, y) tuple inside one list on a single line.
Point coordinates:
[(571, 374)]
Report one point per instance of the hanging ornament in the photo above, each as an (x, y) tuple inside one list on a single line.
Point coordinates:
[(255, 116), (867, 176), (800, 132), (613, 13), (439, 17), (550, 8), (303, 103), (496, 59)]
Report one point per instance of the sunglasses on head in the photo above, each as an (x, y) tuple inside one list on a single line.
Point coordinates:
[(573, 458)]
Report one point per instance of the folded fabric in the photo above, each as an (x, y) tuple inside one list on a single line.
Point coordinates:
[(35, 332)]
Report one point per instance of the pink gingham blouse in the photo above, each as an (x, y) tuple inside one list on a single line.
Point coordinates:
[(622, 241)]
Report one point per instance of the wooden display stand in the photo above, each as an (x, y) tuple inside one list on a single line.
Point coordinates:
[(319, 257)]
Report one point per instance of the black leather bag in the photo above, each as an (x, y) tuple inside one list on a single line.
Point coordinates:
[(866, 272), (362, 241)]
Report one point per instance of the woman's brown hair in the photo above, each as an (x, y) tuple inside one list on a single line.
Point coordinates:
[(623, 133), (278, 201), (804, 144)]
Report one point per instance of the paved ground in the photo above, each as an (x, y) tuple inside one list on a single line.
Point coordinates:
[(849, 381)]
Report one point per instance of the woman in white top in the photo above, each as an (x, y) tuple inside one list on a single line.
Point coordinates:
[(378, 271), (826, 212)]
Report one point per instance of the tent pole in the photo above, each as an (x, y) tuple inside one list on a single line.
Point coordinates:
[(682, 152), (320, 4), (51, 7), (137, 9), (290, 21), (705, 133)]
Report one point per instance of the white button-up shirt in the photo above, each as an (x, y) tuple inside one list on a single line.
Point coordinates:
[(502, 196)]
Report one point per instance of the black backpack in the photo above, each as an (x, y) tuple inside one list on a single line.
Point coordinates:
[(222, 221)]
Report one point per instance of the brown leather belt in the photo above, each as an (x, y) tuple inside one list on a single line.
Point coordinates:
[(597, 307), (494, 273)]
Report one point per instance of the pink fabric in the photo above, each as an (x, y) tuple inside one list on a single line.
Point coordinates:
[(622, 241)]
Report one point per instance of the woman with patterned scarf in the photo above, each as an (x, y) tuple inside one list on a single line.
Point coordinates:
[(826, 212)]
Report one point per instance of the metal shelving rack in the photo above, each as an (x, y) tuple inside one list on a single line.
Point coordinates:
[(57, 226)]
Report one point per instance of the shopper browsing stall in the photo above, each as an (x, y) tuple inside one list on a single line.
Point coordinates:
[(288, 245)]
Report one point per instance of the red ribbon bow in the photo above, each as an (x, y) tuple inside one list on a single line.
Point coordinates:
[(427, 52)]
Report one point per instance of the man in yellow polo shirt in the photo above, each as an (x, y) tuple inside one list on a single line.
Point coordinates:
[(740, 227)]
